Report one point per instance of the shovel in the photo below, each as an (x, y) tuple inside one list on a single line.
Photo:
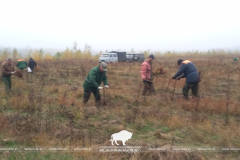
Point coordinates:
[(174, 90), (104, 100)]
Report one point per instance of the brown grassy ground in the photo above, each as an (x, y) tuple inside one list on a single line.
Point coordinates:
[(45, 110)]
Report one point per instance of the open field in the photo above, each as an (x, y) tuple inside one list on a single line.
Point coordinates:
[(45, 110)]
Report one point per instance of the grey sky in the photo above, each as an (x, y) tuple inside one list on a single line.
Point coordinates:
[(121, 24)]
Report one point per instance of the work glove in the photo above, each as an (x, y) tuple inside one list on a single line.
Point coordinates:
[(173, 77), (106, 86), (178, 78), (13, 72), (100, 88)]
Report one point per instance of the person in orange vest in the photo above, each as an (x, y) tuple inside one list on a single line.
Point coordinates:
[(187, 69), (22, 64)]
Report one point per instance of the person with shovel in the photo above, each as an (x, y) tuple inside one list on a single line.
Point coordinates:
[(187, 69), (147, 75), (93, 81)]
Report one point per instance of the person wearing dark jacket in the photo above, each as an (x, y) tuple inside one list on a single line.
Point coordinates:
[(187, 69), (32, 64), (92, 83)]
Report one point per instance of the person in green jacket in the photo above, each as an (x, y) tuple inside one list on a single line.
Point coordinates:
[(93, 81), (235, 59), (22, 64)]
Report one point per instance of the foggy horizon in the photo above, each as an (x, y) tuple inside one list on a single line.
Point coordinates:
[(121, 25)]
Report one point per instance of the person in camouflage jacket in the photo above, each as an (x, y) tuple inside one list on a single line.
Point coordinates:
[(8, 70)]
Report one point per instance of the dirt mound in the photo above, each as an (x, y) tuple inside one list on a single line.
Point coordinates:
[(160, 70), (19, 74)]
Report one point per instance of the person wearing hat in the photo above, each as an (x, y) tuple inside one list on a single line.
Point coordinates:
[(187, 69), (21, 64), (7, 71), (146, 74), (93, 81)]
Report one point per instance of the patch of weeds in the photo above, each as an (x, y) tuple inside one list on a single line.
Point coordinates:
[(235, 155), (79, 95), (215, 137), (93, 129), (97, 117), (136, 136), (36, 155), (117, 98), (111, 116), (129, 125), (60, 118), (13, 157), (53, 107), (9, 143), (70, 82), (8, 110), (235, 140), (146, 128), (165, 129), (182, 133), (106, 132), (32, 155)]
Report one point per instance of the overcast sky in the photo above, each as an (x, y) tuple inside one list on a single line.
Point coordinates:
[(178, 25)]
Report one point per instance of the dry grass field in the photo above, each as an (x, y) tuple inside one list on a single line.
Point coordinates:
[(45, 110)]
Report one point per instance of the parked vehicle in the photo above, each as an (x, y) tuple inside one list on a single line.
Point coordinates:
[(113, 56), (135, 57)]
